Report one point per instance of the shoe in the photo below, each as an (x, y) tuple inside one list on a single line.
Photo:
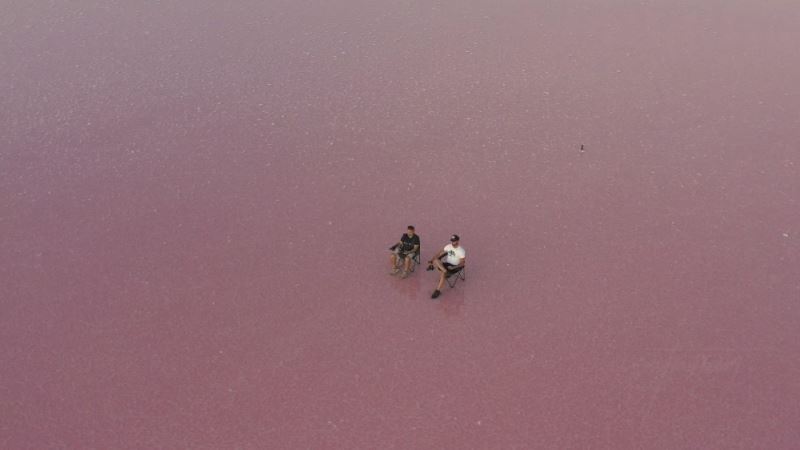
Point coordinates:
[(394, 271), (435, 294), (404, 274)]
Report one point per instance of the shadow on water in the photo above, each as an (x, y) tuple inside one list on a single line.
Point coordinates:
[(451, 303), (452, 300), (419, 286), (408, 287)]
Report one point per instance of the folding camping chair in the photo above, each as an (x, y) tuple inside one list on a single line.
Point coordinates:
[(414, 258), (453, 277)]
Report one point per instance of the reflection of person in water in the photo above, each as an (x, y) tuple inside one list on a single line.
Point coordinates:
[(404, 250), (454, 258), (451, 306)]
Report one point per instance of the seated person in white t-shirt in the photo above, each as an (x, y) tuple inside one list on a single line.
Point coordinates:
[(454, 258)]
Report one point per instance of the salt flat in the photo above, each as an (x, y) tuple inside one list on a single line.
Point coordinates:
[(196, 200)]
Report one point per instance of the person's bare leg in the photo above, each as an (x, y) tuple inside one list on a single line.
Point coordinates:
[(442, 278), (407, 264), (403, 263), (442, 275), (393, 260)]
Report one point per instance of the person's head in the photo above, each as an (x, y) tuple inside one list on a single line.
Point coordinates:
[(410, 231), (454, 240)]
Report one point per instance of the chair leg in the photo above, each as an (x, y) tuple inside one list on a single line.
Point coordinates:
[(414, 262), (453, 278)]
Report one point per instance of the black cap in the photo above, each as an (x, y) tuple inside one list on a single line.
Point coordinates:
[(454, 238)]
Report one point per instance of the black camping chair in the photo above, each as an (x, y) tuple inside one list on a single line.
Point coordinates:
[(414, 257), (453, 276)]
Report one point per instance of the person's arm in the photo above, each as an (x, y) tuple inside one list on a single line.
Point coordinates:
[(438, 255)]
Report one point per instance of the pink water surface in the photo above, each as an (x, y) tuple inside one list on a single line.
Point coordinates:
[(196, 200)]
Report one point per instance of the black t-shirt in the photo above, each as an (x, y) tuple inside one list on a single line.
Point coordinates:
[(409, 243)]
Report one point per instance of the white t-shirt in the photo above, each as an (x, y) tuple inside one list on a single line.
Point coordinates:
[(454, 254)]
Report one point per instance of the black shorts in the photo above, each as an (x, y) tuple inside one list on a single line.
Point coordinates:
[(398, 250), (451, 268)]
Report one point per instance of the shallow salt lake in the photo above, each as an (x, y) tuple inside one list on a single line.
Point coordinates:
[(196, 199)]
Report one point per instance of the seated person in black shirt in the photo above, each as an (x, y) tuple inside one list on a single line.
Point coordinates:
[(404, 250)]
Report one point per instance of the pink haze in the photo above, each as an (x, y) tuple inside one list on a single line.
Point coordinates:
[(196, 200)]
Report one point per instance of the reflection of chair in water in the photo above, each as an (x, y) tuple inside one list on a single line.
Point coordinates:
[(451, 306)]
